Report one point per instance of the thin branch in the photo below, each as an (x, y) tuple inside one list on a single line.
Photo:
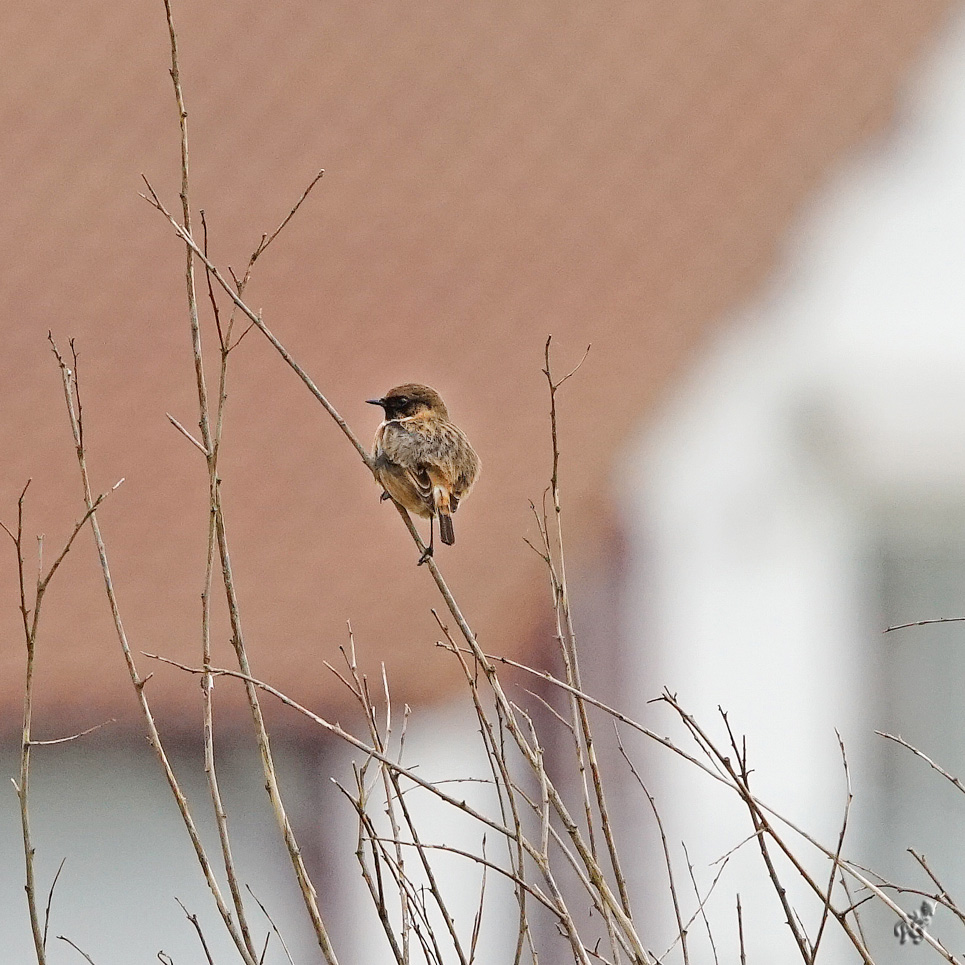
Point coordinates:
[(187, 435), (30, 630), (566, 635), (43, 583), (50, 898), (477, 923), (836, 860), (197, 927), (484, 862), (217, 532), (727, 855), (268, 239), (76, 949), (937, 767), (923, 623), (340, 732), (274, 927), (69, 379), (494, 745), (23, 788), (853, 906), (390, 786), (681, 929), (943, 898), (701, 902), (215, 310), (739, 775), (207, 696), (23, 493), (257, 321), (73, 737)]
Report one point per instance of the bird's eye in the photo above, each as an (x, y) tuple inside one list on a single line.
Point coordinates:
[(402, 401)]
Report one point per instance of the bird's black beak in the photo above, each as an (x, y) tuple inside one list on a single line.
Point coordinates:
[(375, 401)]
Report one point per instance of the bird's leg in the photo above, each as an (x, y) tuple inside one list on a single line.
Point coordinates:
[(427, 552)]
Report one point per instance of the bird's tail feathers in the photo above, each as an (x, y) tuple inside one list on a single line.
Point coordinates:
[(446, 533)]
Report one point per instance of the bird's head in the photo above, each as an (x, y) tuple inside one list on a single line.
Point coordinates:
[(411, 399)]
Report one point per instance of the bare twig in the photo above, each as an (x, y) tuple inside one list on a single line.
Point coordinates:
[(274, 927), (197, 927), (50, 898), (187, 435), (836, 860), (681, 929), (23, 788), (76, 949), (477, 923), (69, 379), (937, 767), (342, 734), (266, 240), (714, 770), (208, 448), (701, 902), (358, 687), (73, 737), (923, 623), (31, 625), (943, 898), (494, 746), (532, 890), (853, 906), (739, 775), (566, 632), (217, 536), (727, 855), (256, 319), (210, 767)]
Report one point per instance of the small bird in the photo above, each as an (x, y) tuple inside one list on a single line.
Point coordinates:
[(422, 460)]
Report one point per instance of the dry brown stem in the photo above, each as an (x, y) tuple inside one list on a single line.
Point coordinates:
[(69, 380), (934, 766), (923, 623), (31, 624), (217, 537), (274, 928), (836, 860), (76, 949), (193, 918), (701, 902), (681, 928)]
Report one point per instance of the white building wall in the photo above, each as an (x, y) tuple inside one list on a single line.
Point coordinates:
[(819, 439)]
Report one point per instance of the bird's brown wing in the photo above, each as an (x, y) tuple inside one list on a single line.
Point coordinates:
[(463, 464), (432, 450), (400, 446)]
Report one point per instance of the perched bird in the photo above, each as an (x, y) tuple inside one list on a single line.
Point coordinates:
[(422, 460)]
